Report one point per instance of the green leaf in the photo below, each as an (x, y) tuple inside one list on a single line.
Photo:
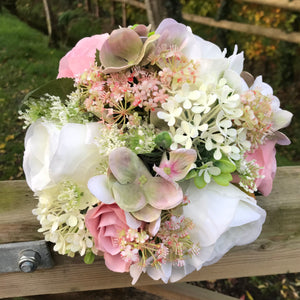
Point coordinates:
[(193, 173), (225, 165), (163, 140), (89, 257), (223, 179), (200, 182), (58, 87), (97, 58)]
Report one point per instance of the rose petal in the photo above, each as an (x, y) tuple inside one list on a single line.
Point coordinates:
[(115, 263)]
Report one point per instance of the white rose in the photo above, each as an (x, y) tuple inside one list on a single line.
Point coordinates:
[(224, 217), (40, 144), (53, 154)]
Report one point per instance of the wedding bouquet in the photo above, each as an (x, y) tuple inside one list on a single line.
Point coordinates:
[(148, 149)]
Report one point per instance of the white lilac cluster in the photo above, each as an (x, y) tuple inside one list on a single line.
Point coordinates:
[(149, 150)]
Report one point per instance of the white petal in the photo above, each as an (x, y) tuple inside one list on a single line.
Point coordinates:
[(223, 217), (154, 227), (41, 141), (131, 221), (135, 272), (74, 159), (98, 186), (72, 221)]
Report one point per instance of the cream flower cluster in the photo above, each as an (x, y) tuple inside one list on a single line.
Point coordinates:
[(62, 221)]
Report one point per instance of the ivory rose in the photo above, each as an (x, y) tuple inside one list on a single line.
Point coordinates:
[(104, 223), (53, 154), (81, 57)]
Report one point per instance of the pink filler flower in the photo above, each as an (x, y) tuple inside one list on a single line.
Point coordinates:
[(104, 223), (81, 57)]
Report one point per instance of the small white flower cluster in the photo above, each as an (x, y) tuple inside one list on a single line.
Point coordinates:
[(53, 108), (204, 113), (60, 212)]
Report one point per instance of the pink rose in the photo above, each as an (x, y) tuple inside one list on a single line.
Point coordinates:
[(265, 158), (104, 223), (81, 57)]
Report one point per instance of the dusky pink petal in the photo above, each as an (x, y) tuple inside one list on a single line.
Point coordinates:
[(129, 197), (124, 165), (121, 48), (147, 214), (162, 194)]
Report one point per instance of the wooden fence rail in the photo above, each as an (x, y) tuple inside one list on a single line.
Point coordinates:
[(272, 33), (293, 5), (276, 251)]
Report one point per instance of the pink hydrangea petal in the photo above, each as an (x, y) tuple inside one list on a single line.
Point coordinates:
[(124, 165), (162, 194), (129, 197), (181, 161), (122, 47), (282, 139), (147, 214)]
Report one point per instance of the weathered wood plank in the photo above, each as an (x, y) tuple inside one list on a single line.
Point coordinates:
[(276, 251), (179, 291), (17, 223)]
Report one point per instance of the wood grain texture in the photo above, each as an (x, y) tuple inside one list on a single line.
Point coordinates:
[(179, 291), (276, 251)]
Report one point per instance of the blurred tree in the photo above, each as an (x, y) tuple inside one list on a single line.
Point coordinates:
[(157, 10), (51, 25)]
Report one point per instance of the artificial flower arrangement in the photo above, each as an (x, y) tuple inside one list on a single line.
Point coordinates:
[(148, 149)]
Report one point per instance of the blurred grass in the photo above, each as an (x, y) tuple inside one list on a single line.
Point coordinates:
[(26, 62)]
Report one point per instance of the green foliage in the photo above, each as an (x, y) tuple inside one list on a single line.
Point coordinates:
[(89, 257), (26, 63), (199, 181), (163, 140)]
